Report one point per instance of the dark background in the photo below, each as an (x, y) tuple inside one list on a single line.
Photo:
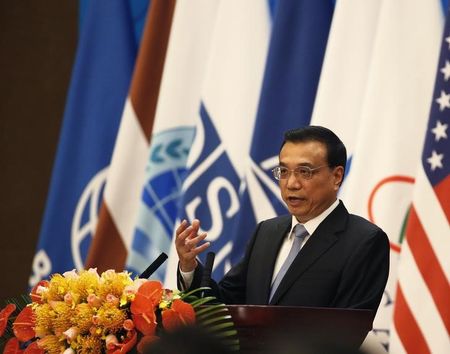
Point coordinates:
[(37, 48)]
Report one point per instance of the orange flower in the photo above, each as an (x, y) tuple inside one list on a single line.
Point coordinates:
[(144, 304), (147, 297), (12, 347), (4, 315), (180, 314), (125, 346), (23, 325), (145, 323), (145, 342), (33, 348)]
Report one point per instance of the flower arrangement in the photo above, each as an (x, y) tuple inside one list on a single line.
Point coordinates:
[(84, 312)]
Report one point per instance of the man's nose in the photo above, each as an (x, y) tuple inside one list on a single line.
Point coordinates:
[(293, 181)]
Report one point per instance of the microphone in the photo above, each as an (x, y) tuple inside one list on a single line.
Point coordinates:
[(206, 277), (154, 266)]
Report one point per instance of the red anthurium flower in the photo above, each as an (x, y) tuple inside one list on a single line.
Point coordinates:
[(126, 346), (23, 325), (144, 304), (12, 347), (4, 315), (147, 297), (145, 342), (145, 323), (33, 348), (180, 314), (35, 295)]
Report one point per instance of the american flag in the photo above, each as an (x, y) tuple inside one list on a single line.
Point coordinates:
[(421, 321)]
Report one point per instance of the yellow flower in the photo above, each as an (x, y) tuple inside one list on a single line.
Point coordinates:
[(89, 345), (164, 304), (110, 317), (57, 288), (63, 317), (83, 317), (44, 319), (112, 283), (87, 283), (52, 344)]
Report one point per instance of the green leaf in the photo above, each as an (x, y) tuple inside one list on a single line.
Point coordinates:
[(216, 319), (220, 326), (192, 292), (229, 333), (202, 301), (210, 308)]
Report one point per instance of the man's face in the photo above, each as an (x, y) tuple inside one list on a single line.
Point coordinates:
[(307, 198)]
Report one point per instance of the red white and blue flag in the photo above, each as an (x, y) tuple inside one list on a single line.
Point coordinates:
[(421, 321)]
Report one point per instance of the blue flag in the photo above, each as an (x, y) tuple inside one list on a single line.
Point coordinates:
[(298, 42), (102, 71)]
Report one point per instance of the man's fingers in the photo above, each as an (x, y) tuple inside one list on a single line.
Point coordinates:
[(201, 248), (181, 228), (196, 224), (192, 242), (187, 240), (186, 233)]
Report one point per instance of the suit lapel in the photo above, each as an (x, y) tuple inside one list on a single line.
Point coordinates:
[(270, 253), (320, 241)]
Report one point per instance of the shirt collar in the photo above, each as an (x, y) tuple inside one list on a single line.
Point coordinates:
[(313, 224)]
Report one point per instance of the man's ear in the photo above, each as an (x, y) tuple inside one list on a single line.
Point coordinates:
[(338, 174)]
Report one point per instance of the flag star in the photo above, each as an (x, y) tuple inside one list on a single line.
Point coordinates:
[(440, 131), (446, 70), (444, 101), (435, 160), (447, 39)]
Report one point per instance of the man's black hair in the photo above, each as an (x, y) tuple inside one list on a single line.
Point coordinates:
[(336, 152)]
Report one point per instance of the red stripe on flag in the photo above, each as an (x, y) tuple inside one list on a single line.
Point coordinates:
[(442, 191), (407, 329), (429, 266), (144, 90), (107, 249)]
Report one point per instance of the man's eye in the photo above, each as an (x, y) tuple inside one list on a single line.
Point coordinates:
[(303, 171)]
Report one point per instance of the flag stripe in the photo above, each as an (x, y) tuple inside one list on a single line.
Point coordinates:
[(420, 301), (441, 190), (429, 267), (114, 241), (144, 90), (126, 176), (407, 328), (395, 344), (433, 220)]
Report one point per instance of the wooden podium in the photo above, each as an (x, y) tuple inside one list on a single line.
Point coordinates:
[(261, 328)]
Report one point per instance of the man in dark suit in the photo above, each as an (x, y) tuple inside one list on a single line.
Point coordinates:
[(331, 259)]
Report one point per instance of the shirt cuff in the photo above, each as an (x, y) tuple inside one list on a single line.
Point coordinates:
[(188, 277)]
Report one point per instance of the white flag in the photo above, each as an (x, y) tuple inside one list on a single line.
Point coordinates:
[(173, 131), (393, 119)]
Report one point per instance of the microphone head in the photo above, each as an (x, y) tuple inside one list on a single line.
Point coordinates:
[(210, 258), (154, 266), (207, 270)]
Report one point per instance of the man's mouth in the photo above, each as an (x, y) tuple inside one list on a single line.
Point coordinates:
[(295, 200)]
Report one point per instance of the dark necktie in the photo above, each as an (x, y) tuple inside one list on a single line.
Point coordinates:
[(299, 235)]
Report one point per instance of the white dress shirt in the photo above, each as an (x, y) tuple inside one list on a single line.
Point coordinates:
[(310, 226)]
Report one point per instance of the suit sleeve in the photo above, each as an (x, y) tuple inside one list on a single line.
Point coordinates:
[(365, 274), (232, 288)]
